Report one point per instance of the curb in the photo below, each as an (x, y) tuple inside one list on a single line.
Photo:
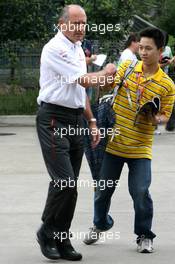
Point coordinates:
[(17, 120)]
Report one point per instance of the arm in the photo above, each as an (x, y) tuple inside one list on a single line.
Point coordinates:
[(167, 103), (170, 61), (161, 119), (70, 69), (103, 77), (88, 112), (92, 123)]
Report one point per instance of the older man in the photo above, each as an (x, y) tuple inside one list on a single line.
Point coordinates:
[(62, 99)]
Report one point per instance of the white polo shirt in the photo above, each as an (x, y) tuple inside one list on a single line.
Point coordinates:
[(62, 63), (127, 54)]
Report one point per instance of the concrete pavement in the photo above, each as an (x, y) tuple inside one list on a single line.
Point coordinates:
[(24, 182)]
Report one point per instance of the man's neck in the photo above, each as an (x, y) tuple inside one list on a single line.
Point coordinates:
[(149, 70)]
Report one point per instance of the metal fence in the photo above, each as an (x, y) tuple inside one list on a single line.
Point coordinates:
[(20, 63)]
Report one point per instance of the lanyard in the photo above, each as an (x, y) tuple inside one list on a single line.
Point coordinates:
[(140, 89), (117, 87), (125, 84)]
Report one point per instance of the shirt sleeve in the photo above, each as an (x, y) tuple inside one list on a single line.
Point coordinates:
[(63, 63), (167, 101)]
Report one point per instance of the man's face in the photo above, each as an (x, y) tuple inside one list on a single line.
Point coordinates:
[(148, 51), (74, 28)]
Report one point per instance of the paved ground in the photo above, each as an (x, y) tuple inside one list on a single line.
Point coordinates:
[(24, 181)]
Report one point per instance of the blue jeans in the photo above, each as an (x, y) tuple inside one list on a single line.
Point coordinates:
[(139, 180)]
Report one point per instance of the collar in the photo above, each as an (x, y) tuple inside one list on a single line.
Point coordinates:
[(156, 77), (69, 43)]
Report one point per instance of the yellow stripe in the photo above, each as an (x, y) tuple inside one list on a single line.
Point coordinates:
[(136, 141)]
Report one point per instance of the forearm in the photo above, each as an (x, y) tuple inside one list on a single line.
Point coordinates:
[(95, 78), (161, 119), (88, 60), (88, 112), (103, 77)]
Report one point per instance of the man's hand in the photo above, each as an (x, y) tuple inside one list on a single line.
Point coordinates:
[(93, 57), (110, 69), (108, 72), (160, 119), (103, 77), (95, 134)]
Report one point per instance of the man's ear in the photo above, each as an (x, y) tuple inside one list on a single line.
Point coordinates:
[(62, 25)]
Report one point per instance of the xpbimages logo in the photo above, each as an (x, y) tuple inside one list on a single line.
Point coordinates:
[(103, 236), (81, 131), (86, 183), (100, 28), (69, 79)]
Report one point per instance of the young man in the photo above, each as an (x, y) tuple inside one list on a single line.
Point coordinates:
[(62, 99), (134, 144)]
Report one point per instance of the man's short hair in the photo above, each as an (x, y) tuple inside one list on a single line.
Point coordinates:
[(65, 13), (133, 37), (154, 33)]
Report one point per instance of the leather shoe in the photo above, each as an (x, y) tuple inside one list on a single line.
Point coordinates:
[(67, 251), (47, 245)]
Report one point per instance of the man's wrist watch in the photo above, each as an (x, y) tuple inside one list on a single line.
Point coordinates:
[(92, 120)]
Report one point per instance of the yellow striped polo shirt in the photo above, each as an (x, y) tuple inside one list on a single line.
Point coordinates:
[(135, 141)]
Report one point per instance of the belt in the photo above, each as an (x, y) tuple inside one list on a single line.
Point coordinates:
[(62, 108)]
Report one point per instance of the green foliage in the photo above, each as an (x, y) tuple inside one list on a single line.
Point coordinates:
[(171, 43), (160, 13), (19, 103), (27, 20), (166, 18), (106, 12), (145, 9), (17, 57)]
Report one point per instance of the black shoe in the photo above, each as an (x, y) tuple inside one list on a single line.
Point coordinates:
[(47, 245), (67, 251)]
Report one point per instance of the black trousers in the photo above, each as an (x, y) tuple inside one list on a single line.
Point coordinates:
[(62, 151)]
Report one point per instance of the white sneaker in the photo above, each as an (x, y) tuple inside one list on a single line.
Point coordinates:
[(92, 236), (145, 245)]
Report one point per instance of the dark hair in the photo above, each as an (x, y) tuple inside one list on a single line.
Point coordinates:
[(154, 33), (132, 37)]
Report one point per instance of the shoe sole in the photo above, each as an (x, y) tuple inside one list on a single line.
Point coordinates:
[(72, 259), (146, 251)]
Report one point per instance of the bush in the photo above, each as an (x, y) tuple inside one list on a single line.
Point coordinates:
[(23, 103)]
